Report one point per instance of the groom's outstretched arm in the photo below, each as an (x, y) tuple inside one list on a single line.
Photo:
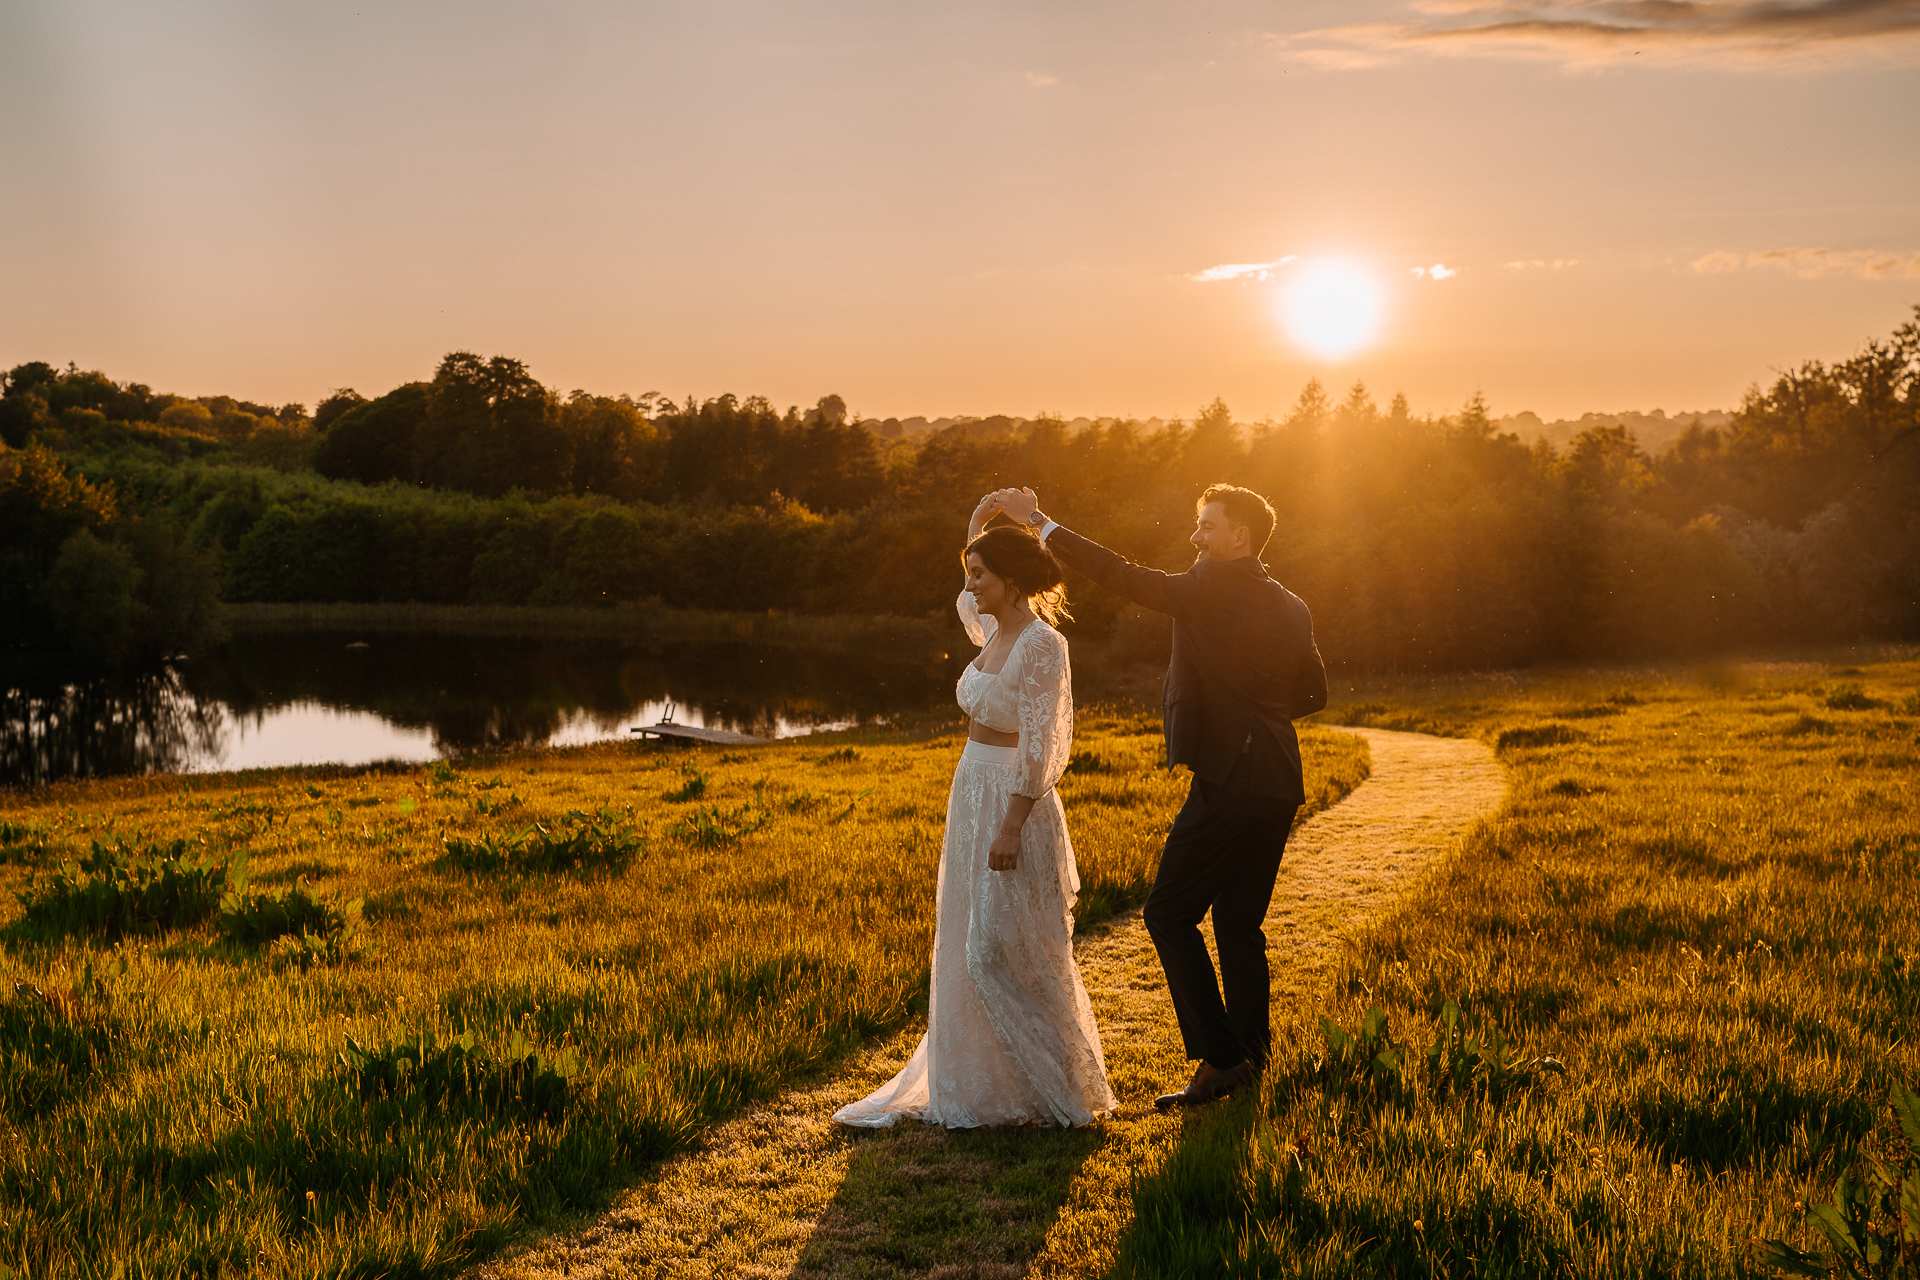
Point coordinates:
[(1149, 588)]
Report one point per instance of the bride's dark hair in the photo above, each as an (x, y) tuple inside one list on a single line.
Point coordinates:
[(1023, 562)]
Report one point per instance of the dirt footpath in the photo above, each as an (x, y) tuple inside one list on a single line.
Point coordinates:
[(749, 1202)]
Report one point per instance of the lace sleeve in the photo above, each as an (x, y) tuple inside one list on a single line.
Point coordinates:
[(1046, 711), (980, 628)]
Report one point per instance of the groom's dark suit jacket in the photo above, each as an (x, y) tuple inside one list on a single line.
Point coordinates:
[(1244, 663)]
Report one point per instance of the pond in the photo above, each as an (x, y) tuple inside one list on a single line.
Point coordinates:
[(277, 699)]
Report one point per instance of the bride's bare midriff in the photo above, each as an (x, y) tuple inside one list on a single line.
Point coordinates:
[(992, 737)]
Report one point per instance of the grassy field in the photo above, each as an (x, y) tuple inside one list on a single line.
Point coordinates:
[(324, 1022), (1641, 1025)]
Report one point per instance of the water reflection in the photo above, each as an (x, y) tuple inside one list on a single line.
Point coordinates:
[(310, 699), (121, 724)]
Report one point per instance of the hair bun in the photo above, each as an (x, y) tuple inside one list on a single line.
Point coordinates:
[(1018, 557)]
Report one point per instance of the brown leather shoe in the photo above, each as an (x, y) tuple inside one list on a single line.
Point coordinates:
[(1209, 1082)]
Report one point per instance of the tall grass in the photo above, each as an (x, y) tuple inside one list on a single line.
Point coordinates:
[(527, 1008), (1703, 899)]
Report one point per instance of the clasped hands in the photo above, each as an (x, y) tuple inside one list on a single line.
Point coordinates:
[(1015, 504)]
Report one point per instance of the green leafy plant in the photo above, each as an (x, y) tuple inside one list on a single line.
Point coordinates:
[(301, 925), (1459, 1059), (487, 806), (1873, 1219), (852, 804), (461, 1075), (711, 827), (803, 802), (118, 891), (1369, 1063), (1366, 1063), (693, 788), (579, 842)]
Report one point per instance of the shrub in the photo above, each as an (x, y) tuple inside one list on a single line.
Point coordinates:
[(176, 604), (118, 891), (511, 563), (89, 598)]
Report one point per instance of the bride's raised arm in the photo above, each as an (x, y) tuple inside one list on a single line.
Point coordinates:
[(979, 629), (977, 524)]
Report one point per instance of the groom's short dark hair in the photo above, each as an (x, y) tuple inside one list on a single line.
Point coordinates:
[(1242, 507)]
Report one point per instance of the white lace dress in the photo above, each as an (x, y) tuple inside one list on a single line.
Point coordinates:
[(1010, 1034)]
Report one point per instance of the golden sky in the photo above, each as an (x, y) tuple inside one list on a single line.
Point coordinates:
[(948, 208)]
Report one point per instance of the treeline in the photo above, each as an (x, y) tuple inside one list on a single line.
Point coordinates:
[(86, 575), (1419, 542), (487, 427)]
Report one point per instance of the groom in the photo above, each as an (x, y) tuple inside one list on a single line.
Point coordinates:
[(1244, 668)]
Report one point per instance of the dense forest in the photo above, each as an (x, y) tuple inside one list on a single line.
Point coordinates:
[(1420, 542)]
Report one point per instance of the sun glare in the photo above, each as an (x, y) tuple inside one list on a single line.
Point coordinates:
[(1332, 307)]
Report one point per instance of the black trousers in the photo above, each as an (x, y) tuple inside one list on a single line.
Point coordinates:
[(1222, 855)]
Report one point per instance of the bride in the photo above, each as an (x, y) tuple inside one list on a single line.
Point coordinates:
[(1010, 1035)]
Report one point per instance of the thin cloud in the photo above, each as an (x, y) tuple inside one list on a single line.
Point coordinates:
[(1038, 81), (1587, 33), (1541, 264), (1438, 271), (1241, 271), (1815, 264)]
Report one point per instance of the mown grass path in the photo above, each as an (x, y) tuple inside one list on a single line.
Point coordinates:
[(781, 1190)]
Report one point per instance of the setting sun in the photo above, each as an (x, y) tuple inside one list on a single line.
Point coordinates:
[(1332, 307)]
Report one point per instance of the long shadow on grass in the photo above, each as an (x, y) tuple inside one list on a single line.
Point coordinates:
[(967, 1202)]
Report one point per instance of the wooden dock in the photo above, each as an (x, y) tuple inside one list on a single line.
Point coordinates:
[(693, 733)]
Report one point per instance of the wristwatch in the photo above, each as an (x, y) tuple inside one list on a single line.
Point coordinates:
[(1038, 520)]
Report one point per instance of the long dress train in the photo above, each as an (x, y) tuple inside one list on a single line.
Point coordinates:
[(1010, 1034)]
